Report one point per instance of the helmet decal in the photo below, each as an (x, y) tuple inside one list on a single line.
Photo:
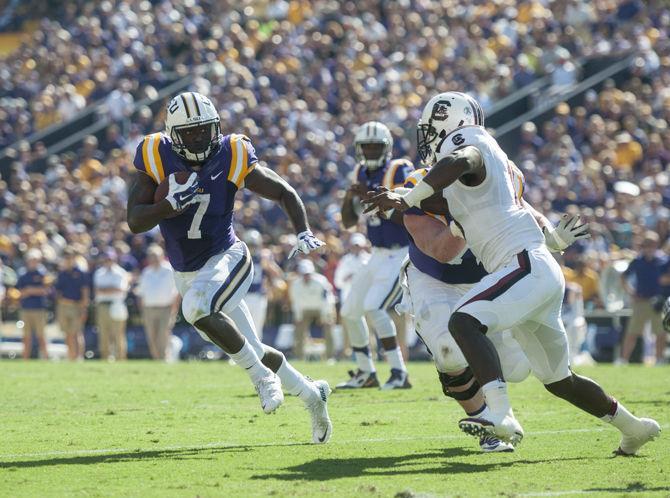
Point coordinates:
[(440, 110)]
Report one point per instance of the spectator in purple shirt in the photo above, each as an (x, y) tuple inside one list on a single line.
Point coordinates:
[(34, 290), (72, 298), (647, 269)]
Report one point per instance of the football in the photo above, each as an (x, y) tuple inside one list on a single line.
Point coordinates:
[(163, 187)]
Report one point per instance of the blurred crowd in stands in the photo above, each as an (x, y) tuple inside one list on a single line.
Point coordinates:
[(379, 57), (297, 77)]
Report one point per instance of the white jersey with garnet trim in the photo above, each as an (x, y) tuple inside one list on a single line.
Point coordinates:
[(491, 215)]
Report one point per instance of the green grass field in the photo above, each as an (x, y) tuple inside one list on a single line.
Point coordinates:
[(196, 429)]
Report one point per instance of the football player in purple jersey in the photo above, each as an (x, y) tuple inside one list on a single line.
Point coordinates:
[(213, 268), (375, 288)]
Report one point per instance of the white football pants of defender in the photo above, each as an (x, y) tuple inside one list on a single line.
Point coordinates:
[(526, 296), (373, 290), (432, 302), (258, 307)]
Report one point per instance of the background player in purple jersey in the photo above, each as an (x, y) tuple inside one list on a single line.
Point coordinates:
[(376, 287), (213, 267)]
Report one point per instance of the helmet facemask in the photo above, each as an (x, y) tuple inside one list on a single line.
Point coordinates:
[(373, 154), (426, 134), (196, 142)]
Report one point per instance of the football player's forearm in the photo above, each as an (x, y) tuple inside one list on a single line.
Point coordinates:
[(295, 209), (433, 237), (144, 217), (349, 217), (397, 218)]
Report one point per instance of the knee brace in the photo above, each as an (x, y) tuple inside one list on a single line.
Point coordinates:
[(462, 323), (460, 380), (382, 323), (562, 388)]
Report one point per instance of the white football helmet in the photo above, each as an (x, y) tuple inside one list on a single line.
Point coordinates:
[(443, 114), (378, 134), (194, 126)]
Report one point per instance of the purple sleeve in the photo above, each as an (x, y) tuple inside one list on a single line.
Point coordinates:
[(138, 161), (251, 152), (402, 173)]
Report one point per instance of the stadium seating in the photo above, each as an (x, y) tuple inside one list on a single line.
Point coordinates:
[(298, 76)]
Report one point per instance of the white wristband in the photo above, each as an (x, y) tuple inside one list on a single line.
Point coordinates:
[(420, 192)]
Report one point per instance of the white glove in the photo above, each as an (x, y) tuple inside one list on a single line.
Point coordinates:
[(565, 234), (307, 243), (179, 195), (405, 305)]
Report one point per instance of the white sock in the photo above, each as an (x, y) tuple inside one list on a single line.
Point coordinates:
[(363, 359), (358, 332), (248, 359), (495, 394), (296, 383), (395, 359), (622, 419)]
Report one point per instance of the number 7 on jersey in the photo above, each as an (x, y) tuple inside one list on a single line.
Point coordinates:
[(203, 202)]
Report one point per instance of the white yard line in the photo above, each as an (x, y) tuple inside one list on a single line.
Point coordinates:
[(579, 492), (558, 493), (228, 444)]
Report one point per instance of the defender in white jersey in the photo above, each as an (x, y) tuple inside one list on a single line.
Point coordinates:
[(439, 271), (525, 287)]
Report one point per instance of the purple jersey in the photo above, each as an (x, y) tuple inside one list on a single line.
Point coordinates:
[(468, 271), (385, 233), (206, 227)]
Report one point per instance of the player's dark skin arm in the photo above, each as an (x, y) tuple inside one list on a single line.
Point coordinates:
[(270, 185), (143, 214), (349, 216), (465, 164)]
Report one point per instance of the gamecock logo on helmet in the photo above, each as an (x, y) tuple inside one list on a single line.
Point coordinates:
[(440, 110)]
